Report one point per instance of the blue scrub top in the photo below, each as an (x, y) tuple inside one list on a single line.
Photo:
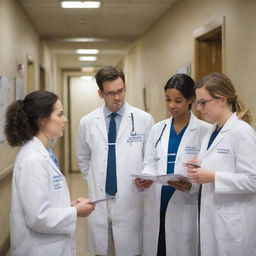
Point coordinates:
[(174, 142)]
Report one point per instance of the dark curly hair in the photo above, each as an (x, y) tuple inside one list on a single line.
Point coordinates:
[(22, 116)]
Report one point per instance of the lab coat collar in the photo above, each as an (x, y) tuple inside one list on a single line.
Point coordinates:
[(186, 136), (227, 126), (126, 120), (100, 122), (39, 146)]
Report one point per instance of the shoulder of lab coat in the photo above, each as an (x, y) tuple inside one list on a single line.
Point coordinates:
[(33, 186), (243, 140), (83, 150)]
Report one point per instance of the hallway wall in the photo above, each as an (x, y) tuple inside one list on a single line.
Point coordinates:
[(18, 42), (169, 45)]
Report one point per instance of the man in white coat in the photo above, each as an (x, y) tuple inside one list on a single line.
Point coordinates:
[(110, 147)]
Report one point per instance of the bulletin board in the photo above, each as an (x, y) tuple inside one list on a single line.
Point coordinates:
[(10, 90)]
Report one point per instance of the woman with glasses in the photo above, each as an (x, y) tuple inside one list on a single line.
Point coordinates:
[(227, 172), (170, 212)]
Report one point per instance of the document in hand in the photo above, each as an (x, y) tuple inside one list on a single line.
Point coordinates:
[(163, 178), (102, 199)]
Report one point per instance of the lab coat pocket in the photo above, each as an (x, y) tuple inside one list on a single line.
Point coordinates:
[(228, 224), (56, 249), (189, 218)]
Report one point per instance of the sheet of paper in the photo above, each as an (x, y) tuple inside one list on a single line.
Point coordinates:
[(145, 177), (163, 179)]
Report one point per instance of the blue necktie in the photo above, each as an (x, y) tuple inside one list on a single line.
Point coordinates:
[(111, 183)]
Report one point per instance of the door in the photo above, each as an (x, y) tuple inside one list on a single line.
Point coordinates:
[(209, 53), (209, 50), (30, 76)]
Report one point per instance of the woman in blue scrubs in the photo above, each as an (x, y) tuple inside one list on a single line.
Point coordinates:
[(170, 217)]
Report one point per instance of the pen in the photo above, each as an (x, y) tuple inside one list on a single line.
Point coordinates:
[(192, 164)]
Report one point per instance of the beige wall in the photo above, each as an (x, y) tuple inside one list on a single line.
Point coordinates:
[(169, 45), (19, 42), (83, 99)]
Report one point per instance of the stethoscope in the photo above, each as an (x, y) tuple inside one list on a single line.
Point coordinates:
[(133, 132), (161, 134)]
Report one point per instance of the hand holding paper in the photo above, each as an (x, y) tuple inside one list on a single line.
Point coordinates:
[(163, 178)]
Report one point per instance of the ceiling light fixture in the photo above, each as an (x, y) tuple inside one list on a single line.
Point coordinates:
[(87, 78), (88, 58), (81, 40), (88, 69), (87, 51), (80, 4)]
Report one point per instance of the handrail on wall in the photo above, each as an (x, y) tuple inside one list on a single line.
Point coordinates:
[(6, 172)]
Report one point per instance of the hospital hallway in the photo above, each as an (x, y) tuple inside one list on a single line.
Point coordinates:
[(59, 46)]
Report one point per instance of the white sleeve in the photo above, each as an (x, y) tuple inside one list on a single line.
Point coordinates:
[(243, 179), (151, 122), (83, 151)]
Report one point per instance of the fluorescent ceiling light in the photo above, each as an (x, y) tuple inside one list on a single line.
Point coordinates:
[(81, 39), (88, 69), (86, 78), (87, 51), (88, 58), (80, 4)]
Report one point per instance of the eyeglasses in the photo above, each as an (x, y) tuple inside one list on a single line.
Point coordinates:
[(113, 93), (203, 103)]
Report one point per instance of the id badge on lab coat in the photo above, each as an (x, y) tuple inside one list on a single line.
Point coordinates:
[(135, 138), (192, 150)]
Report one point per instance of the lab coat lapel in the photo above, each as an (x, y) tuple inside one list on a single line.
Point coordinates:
[(219, 138), (101, 124), (38, 145), (187, 136), (164, 142), (126, 121)]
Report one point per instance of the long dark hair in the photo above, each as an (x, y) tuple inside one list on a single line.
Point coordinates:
[(22, 116)]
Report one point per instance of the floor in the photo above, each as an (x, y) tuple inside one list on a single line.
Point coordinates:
[(78, 188)]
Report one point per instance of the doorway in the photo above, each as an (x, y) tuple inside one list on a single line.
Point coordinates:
[(30, 76), (209, 51), (82, 99), (42, 85)]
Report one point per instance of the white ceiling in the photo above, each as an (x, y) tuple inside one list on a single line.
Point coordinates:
[(115, 26)]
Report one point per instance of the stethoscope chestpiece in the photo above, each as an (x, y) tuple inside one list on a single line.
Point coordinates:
[(133, 133)]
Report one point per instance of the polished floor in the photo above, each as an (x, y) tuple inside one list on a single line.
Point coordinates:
[(78, 188)]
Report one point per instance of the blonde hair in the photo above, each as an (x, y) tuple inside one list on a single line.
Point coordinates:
[(219, 85)]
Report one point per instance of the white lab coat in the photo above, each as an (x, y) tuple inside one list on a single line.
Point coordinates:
[(127, 209), (228, 207), (181, 213), (42, 221)]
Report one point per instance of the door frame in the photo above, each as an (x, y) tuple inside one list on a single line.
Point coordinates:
[(205, 31)]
